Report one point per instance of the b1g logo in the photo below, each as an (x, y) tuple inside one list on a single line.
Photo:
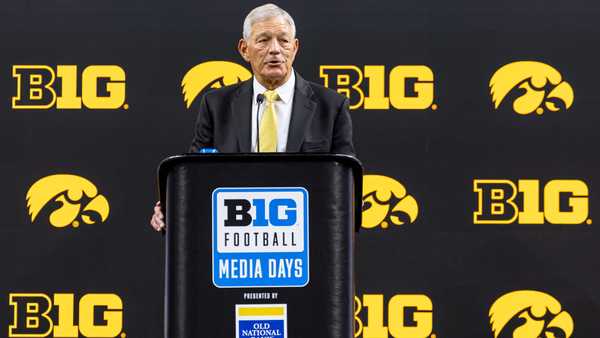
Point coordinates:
[(408, 87), (260, 237), (408, 316), (211, 74), (530, 314), (539, 84), (99, 87), (261, 321), (39, 315), (502, 201), (386, 202), (73, 198)]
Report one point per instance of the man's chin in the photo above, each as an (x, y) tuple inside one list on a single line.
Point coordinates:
[(274, 76)]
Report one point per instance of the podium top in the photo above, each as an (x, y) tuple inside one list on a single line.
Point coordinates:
[(351, 162)]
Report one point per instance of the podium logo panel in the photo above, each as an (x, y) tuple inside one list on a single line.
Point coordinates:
[(261, 321), (529, 313), (260, 237)]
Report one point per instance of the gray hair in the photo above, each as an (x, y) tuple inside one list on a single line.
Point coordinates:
[(263, 13)]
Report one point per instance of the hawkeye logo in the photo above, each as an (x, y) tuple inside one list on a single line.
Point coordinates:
[(73, 199), (407, 316), (41, 315), (409, 87), (530, 314), (502, 201), (211, 74), (541, 86), (386, 202), (101, 87)]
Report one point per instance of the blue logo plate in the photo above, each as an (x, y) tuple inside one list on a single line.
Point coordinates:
[(260, 237)]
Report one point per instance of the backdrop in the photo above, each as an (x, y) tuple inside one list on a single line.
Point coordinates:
[(475, 121)]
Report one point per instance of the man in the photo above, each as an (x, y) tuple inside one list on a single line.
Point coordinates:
[(295, 115)]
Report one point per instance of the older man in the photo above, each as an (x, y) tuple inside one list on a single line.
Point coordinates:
[(295, 115)]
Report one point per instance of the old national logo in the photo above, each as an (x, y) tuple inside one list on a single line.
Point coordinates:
[(405, 87), (541, 86), (386, 202), (211, 74), (529, 314), (101, 87), (72, 198), (261, 321)]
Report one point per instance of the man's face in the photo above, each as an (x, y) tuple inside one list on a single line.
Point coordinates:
[(270, 49)]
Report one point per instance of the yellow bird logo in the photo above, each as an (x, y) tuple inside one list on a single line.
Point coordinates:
[(386, 202), (76, 199), (530, 314), (541, 84), (211, 74)]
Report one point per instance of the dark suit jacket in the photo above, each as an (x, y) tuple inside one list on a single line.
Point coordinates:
[(320, 120)]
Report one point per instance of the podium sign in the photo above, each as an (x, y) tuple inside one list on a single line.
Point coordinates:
[(260, 237), (260, 245)]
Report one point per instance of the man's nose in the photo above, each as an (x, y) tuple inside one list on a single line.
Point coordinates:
[(274, 47)]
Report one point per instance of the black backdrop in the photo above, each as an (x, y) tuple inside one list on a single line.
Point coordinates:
[(436, 154)]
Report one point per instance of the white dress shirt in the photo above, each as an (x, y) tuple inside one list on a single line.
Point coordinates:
[(283, 109)]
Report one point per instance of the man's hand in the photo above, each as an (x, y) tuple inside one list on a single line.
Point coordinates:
[(157, 220)]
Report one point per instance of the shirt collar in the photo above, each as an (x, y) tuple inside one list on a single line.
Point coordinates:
[(285, 91)]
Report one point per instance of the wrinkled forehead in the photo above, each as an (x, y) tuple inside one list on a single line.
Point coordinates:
[(271, 26)]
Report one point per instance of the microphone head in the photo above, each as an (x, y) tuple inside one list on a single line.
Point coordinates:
[(260, 98)]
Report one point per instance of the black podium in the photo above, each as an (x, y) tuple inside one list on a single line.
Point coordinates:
[(260, 245)]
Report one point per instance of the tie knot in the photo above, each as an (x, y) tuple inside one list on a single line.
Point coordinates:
[(271, 95)]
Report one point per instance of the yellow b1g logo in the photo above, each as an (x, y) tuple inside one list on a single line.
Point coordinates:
[(501, 201), (408, 316), (32, 318), (409, 87), (99, 87)]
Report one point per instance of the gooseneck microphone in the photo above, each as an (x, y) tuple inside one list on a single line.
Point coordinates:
[(260, 98)]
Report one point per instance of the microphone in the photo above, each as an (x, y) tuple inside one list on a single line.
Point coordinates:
[(259, 100)]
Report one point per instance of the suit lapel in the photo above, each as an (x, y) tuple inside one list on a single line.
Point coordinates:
[(303, 110), (241, 107)]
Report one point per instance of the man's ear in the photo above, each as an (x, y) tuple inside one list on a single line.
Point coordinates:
[(243, 49), (297, 43)]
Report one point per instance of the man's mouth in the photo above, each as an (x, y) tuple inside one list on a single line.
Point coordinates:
[(274, 63)]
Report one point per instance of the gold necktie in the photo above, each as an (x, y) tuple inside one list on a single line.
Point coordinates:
[(268, 124)]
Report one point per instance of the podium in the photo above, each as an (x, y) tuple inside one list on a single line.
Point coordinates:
[(260, 245)]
